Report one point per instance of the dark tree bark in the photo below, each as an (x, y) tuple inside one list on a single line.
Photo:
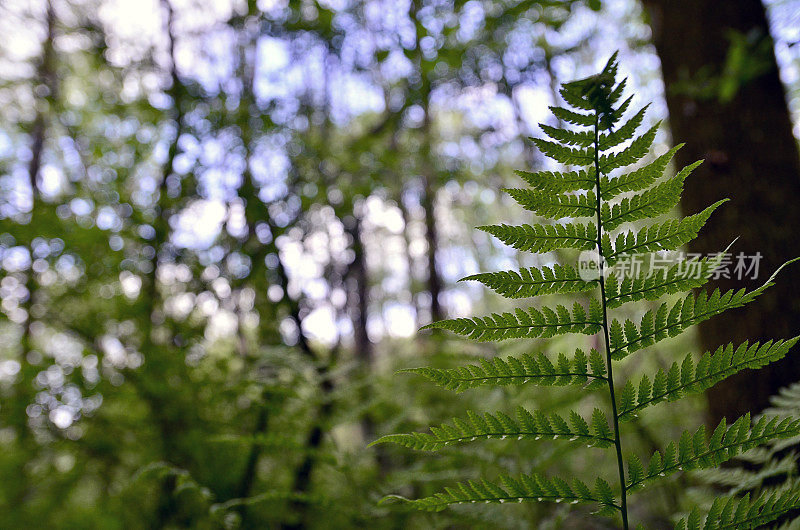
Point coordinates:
[(432, 237), (45, 77), (257, 212), (170, 419), (359, 279), (24, 392), (427, 169), (745, 137)]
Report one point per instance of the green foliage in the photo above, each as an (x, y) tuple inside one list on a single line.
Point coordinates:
[(521, 370), (519, 489), (592, 192), (536, 425), (696, 376), (545, 238), (767, 473), (527, 323), (660, 282), (736, 512), (697, 451), (556, 182), (530, 282)]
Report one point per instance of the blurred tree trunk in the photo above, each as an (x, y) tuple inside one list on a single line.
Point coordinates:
[(410, 261), (169, 415), (727, 103), (359, 291), (432, 237), (45, 83), (24, 391), (428, 166)]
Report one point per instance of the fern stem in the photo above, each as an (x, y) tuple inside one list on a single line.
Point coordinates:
[(609, 361)]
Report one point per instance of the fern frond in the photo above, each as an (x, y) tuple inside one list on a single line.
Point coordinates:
[(545, 238), (574, 96), (671, 321), (733, 512), (534, 368), (617, 114), (567, 137), (638, 179), (527, 425), (617, 92), (604, 148), (563, 154), (764, 470), (530, 323), (637, 150), (624, 133), (533, 281), (558, 182), (668, 235), (786, 401), (555, 206), (698, 451), (679, 277), (596, 92), (575, 118), (651, 203), (524, 487), (711, 368)]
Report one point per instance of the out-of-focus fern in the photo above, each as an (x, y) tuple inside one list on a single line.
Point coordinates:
[(596, 218), (767, 471)]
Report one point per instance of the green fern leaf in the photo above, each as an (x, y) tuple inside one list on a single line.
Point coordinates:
[(698, 451), (594, 192), (668, 235), (733, 512), (545, 238), (557, 182), (525, 487), (548, 204), (531, 323), (575, 118), (567, 137), (710, 369), (573, 95), (534, 281), (529, 368), (597, 93), (682, 276), (669, 321), (637, 150), (563, 154), (769, 468), (617, 92), (527, 425), (651, 203), (624, 132), (617, 114), (638, 179)]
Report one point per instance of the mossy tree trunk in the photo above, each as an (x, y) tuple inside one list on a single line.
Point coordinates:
[(736, 118)]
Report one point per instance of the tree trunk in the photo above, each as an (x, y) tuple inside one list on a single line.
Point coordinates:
[(432, 238), (741, 126), (24, 391), (359, 292), (428, 168)]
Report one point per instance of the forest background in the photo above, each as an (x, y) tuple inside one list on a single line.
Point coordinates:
[(222, 223)]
